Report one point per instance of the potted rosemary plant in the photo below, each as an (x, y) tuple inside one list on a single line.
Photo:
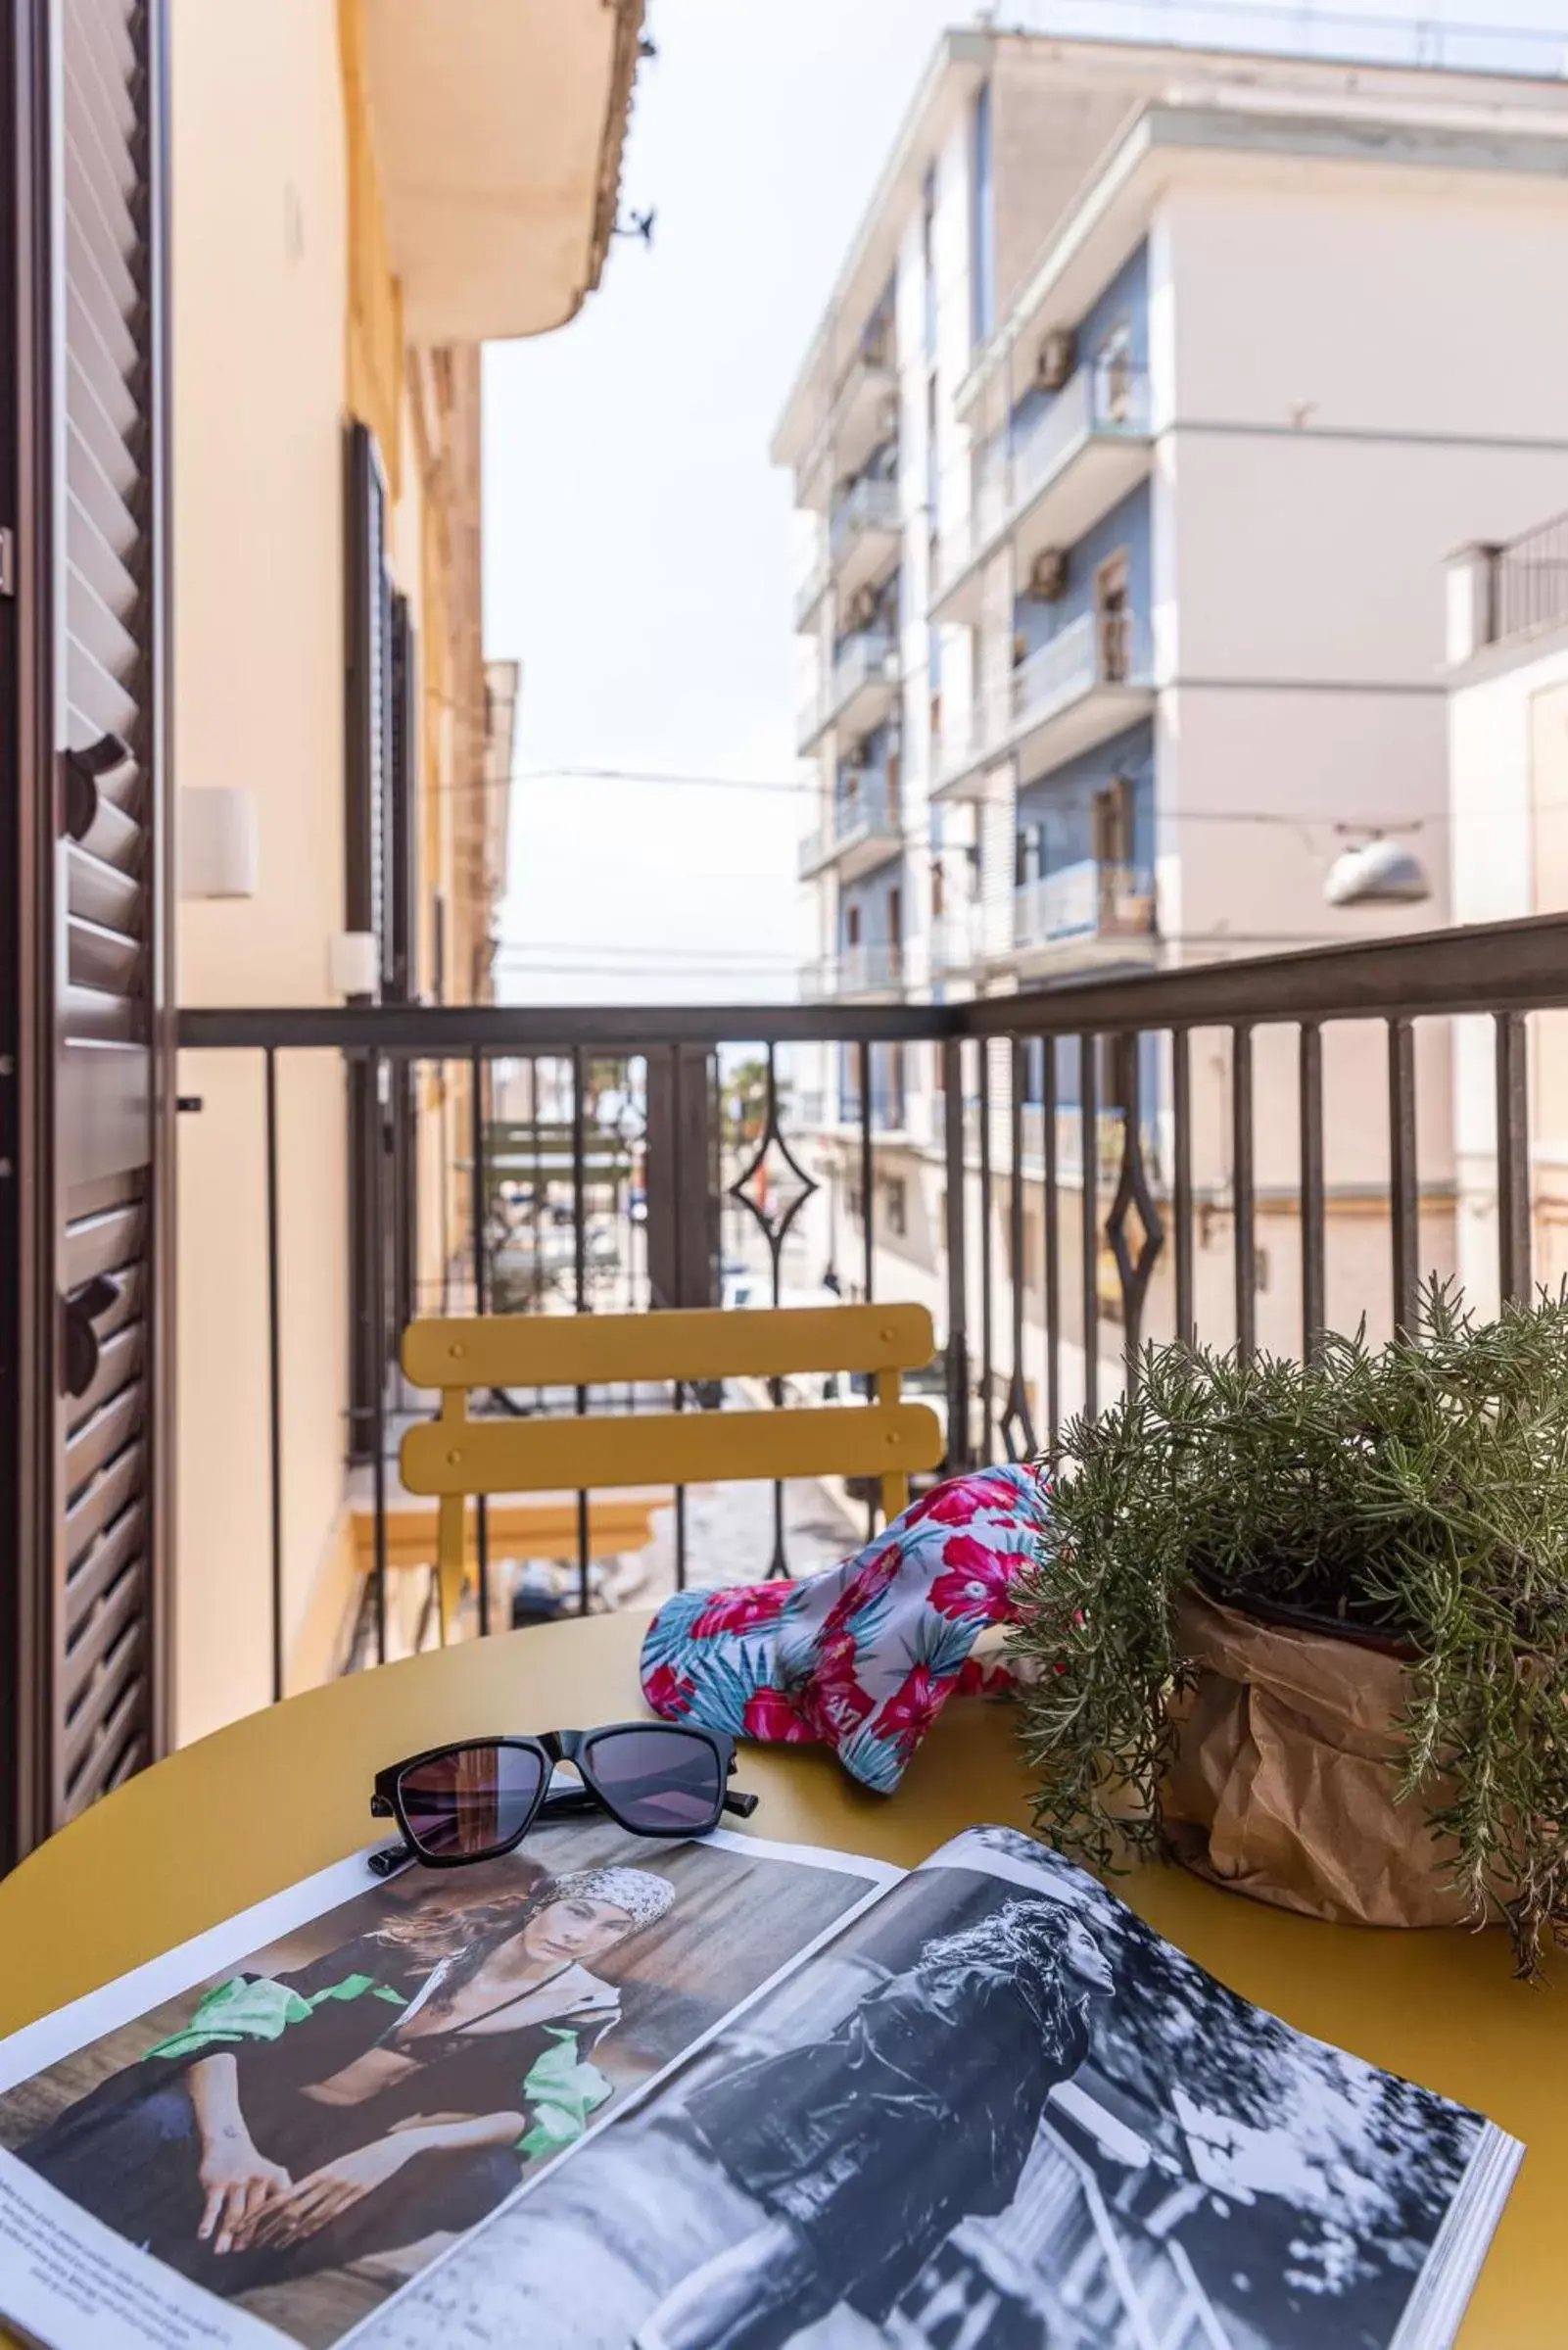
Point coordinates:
[(1305, 1627)]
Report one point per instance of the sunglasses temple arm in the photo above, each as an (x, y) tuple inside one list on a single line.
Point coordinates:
[(391, 1858), (741, 1804)]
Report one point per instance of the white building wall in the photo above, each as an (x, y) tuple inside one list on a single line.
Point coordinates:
[(1503, 812), (1330, 446)]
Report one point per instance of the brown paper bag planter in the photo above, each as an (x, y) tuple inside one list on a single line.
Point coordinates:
[(1286, 1772), (1273, 1592)]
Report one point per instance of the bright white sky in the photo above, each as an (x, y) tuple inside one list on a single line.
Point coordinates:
[(638, 552)]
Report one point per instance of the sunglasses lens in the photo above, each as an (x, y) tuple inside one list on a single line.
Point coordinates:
[(659, 1779), (461, 1805)]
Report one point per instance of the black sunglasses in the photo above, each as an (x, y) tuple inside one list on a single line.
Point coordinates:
[(477, 1799)]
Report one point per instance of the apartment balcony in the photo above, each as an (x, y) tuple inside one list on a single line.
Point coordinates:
[(872, 968), (1088, 684), (862, 417), (955, 942), (569, 1217), (861, 692), (809, 594), (864, 535), (1085, 914), (863, 834), (1079, 458)]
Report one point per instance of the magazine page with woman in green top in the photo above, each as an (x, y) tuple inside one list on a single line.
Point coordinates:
[(284, 2142)]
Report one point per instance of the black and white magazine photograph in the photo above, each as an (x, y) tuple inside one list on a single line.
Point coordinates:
[(998, 2113)]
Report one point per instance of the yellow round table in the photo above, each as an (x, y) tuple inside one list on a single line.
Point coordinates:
[(243, 1813)]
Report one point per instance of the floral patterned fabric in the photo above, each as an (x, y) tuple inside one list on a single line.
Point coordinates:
[(863, 1656)]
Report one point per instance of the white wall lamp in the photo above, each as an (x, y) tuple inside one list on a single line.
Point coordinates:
[(1377, 873), (216, 844)]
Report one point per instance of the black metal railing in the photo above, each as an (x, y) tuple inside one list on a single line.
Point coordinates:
[(1248, 1152)]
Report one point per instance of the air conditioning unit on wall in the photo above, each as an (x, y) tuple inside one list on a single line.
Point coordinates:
[(1058, 357)]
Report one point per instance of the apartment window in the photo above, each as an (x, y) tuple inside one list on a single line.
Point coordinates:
[(982, 251), (896, 1209), (852, 925)]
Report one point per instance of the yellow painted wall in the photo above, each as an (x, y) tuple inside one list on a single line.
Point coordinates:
[(259, 272), (287, 321)]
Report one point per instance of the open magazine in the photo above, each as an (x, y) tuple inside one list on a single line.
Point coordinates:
[(720, 2095)]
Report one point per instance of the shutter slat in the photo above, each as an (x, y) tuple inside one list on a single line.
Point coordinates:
[(106, 291), (102, 959), (105, 172), (103, 894), (101, 503), (114, 838), (95, 560), (119, 1360), (105, 1717), (96, 702), (108, 439), (96, 127), (102, 1564), (101, 1631), (100, 1506), (91, 1016), (94, 1446), (115, 1237), (108, 51), (109, 640), (116, 382)]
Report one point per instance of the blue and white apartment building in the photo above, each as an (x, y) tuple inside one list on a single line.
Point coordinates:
[(1154, 390)]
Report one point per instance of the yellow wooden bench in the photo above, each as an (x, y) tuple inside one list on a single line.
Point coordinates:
[(454, 1456)]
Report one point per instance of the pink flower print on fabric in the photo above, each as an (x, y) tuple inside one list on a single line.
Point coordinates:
[(741, 1609), (863, 1656), (770, 1719), (976, 1581)]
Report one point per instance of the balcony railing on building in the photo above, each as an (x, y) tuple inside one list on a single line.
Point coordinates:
[(812, 587), (863, 830), (1051, 482), (1089, 911), (871, 967), (1498, 593), (955, 939), (862, 416), (1088, 682), (864, 535), (861, 690)]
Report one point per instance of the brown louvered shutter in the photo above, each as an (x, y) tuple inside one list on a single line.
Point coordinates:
[(86, 785)]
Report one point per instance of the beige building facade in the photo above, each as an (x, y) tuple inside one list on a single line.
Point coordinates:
[(362, 191)]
